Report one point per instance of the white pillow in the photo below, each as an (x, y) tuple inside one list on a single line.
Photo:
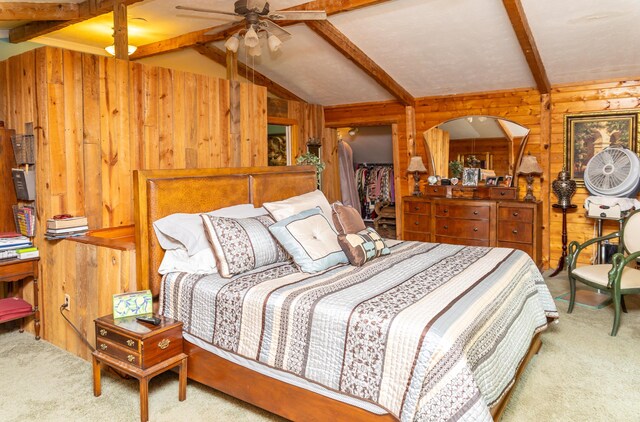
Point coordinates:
[(280, 210), (185, 231), (310, 240), (177, 260)]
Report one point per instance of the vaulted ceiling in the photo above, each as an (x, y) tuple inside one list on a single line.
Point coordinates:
[(367, 50)]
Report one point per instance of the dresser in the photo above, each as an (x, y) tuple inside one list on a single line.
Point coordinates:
[(497, 222)]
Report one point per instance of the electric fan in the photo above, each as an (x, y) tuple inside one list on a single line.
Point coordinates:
[(613, 172)]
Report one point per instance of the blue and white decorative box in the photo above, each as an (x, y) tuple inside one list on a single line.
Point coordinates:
[(130, 304)]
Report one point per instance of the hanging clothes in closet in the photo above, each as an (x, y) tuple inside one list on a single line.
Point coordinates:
[(375, 184)]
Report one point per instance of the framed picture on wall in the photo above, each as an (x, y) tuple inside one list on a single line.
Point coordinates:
[(470, 176), (585, 135)]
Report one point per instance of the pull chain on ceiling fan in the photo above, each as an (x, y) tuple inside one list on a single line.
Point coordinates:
[(259, 24)]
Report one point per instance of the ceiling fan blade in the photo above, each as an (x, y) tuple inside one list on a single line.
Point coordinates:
[(307, 15), (256, 5), (276, 30), (197, 9)]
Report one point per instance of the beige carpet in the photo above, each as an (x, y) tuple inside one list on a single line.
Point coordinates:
[(580, 374)]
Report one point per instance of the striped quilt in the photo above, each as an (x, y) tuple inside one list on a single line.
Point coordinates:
[(431, 332)]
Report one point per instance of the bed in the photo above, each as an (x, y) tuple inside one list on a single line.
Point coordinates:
[(369, 343)]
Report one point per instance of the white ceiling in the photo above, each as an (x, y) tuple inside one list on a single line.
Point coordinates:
[(430, 47)]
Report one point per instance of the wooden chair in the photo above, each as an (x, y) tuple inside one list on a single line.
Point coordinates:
[(385, 214), (618, 278)]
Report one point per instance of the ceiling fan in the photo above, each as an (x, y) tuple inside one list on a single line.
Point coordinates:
[(259, 23)]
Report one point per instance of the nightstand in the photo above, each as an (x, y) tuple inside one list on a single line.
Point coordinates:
[(140, 350)]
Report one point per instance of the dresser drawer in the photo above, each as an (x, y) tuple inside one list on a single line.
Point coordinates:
[(515, 214), (466, 229), (162, 346), (460, 211), (417, 223), (417, 207), (436, 191), (502, 193), (117, 351), (459, 241), (526, 247), (104, 333), (515, 231), (420, 237)]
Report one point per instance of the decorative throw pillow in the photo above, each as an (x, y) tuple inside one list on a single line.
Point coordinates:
[(242, 244), (310, 240), (363, 246), (346, 219), (185, 231), (280, 210)]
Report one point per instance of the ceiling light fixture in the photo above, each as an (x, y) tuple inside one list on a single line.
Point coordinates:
[(233, 43), (274, 43), (353, 131), (112, 49), (251, 37)]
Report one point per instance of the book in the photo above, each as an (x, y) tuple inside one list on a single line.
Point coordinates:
[(9, 234), (25, 184), (13, 241), (23, 250), (8, 254), (68, 230), (27, 255), (66, 222)]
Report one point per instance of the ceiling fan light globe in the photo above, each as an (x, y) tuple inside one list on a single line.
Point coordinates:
[(255, 51), (232, 44), (251, 38), (111, 49), (274, 43)]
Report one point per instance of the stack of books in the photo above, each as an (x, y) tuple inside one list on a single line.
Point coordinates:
[(66, 227), (11, 243)]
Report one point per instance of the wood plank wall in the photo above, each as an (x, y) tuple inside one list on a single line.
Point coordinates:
[(97, 119)]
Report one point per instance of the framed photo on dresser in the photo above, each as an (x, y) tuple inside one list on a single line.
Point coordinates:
[(470, 176)]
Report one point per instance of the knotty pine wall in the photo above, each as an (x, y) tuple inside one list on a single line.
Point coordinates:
[(96, 120)]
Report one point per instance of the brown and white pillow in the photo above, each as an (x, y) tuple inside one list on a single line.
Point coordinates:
[(363, 246), (346, 219), (242, 244)]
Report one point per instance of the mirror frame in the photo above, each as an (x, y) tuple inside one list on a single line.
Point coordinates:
[(517, 159)]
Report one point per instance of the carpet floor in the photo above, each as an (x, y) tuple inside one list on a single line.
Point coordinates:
[(580, 374)]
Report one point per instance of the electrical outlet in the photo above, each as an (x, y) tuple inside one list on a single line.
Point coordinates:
[(67, 301)]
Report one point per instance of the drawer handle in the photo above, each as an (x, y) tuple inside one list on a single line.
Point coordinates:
[(417, 208), (435, 189), (475, 213), (103, 332), (445, 211), (446, 227), (514, 231), (475, 229), (164, 343), (516, 213), (130, 343), (417, 223), (131, 358), (502, 193), (103, 346)]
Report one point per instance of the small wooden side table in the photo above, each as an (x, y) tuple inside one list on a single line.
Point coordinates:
[(140, 350), (12, 270)]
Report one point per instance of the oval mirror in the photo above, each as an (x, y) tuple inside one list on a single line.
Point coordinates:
[(491, 143)]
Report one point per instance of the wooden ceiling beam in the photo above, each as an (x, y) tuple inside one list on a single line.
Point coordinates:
[(22, 11), (331, 7), (86, 10), (219, 56), (527, 44), (344, 45)]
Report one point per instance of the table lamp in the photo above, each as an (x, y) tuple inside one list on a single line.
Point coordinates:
[(529, 167), (416, 166)]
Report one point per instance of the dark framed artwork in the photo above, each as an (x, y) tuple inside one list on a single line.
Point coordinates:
[(585, 135)]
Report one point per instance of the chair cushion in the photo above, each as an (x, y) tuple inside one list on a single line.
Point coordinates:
[(599, 274), (14, 307)]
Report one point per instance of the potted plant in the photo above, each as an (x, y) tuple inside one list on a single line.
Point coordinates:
[(309, 159), (455, 167)]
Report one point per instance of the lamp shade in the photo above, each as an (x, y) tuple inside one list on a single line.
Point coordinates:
[(529, 165), (232, 43), (274, 43), (416, 164), (251, 38), (111, 49)]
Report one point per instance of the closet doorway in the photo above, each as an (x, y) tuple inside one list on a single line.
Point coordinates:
[(367, 180)]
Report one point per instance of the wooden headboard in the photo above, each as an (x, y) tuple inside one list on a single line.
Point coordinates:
[(158, 193)]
